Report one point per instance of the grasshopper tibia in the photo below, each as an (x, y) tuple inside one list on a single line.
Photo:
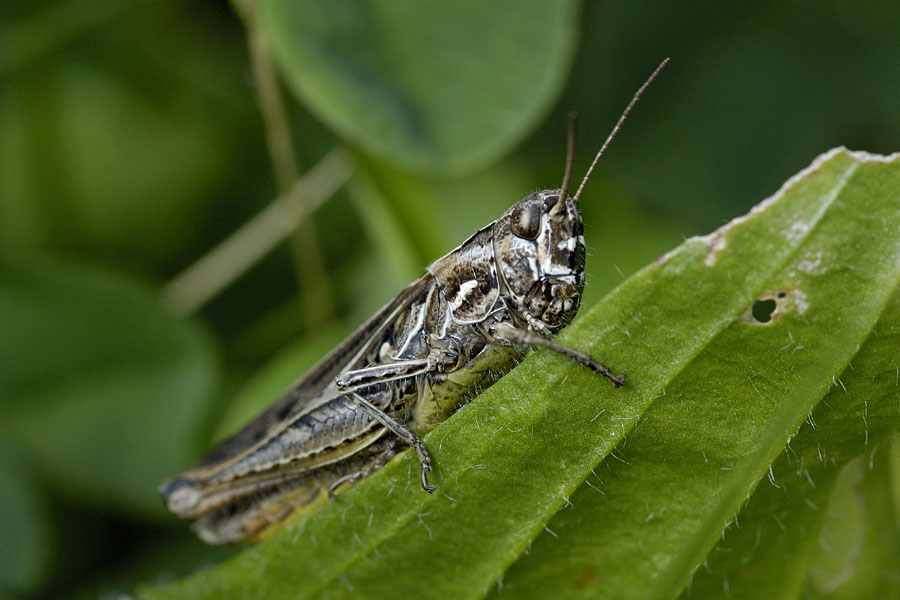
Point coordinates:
[(508, 333), (405, 434)]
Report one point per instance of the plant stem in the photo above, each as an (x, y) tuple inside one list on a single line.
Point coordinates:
[(312, 280), (237, 253)]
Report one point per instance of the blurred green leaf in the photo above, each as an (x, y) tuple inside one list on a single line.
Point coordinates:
[(113, 144), (894, 471), (25, 536), (590, 491), (104, 388), (431, 87), (859, 548), (395, 203)]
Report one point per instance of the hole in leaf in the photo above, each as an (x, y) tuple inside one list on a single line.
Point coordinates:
[(769, 307), (762, 310)]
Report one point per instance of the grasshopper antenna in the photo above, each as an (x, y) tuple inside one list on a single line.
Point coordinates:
[(572, 138), (615, 130)]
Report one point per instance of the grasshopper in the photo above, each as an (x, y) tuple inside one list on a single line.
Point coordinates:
[(467, 321)]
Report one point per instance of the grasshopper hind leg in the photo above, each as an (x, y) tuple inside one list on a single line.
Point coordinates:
[(402, 432), (351, 478)]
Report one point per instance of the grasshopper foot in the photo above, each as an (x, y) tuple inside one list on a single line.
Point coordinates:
[(425, 461)]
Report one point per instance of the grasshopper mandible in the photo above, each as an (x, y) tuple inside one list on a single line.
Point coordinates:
[(474, 314)]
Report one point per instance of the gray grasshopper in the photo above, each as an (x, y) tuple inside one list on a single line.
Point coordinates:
[(469, 320)]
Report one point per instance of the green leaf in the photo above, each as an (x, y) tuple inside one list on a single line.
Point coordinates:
[(430, 86), (859, 550), (554, 484), (25, 534), (104, 388)]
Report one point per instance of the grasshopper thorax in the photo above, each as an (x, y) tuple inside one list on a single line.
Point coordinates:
[(539, 252)]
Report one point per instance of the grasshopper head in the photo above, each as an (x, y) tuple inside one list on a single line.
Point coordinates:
[(539, 243), (539, 250)]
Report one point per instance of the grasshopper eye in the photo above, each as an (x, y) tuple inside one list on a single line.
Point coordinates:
[(525, 221)]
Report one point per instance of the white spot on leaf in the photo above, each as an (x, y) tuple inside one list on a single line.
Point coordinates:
[(800, 301)]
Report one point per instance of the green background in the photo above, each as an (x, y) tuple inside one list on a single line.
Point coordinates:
[(131, 143)]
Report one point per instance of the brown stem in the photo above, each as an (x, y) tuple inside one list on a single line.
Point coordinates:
[(237, 253), (313, 287)]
